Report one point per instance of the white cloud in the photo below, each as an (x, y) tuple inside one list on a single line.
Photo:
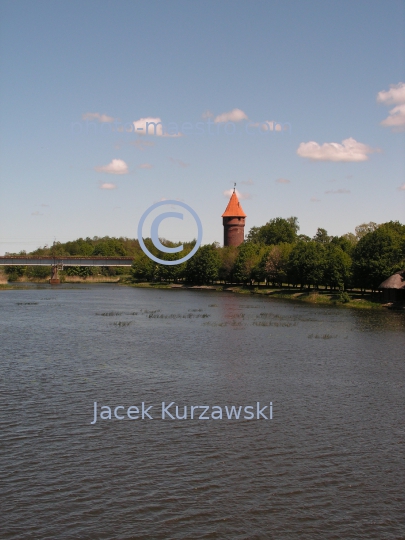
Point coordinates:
[(314, 199), (402, 188), (283, 181), (117, 166), (236, 115), (395, 118), (36, 213), (97, 116), (349, 150), (338, 191), (106, 185), (394, 96), (145, 166), (241, 196)]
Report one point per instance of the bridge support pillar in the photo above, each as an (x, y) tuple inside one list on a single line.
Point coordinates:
[(55, 275)]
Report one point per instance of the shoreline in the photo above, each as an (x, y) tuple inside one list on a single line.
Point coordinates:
[(317, 297), (320, 297)]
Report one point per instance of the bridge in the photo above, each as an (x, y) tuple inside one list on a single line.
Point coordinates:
[(58, 263)]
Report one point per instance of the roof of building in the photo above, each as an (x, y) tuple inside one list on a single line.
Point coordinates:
[(234, 209), (396, 281)]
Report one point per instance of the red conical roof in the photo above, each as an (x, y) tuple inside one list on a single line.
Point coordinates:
[(234, 208)]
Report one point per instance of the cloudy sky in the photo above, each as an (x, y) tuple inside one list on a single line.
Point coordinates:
[(108, 107)]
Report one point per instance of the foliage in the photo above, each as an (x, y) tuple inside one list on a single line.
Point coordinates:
[(228, 256), (274, 253), (276, 231), (80, 271), (14, 272), (378, 255), (143, 268), (365, 228), (203, 267), (80, 248), (336, 266), (111, 247), (246, 263), (39, 272), (346, 243), (321, 236), (343, 297), (306, 263), (275, 263)]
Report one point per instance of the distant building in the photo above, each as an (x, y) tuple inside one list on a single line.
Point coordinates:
[(393, 288), (234, 222)]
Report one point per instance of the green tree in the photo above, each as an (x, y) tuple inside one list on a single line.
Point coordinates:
[(379, 254), (80, 271), (306, 264), (246, 263), (109, 247), (143, 268), (228, 257), (337, 267), (365, 228), (204, 266), (275, 231), (39, 272), (14, 272), (275, 263), (321, 236), (79, 247), (345, 242)]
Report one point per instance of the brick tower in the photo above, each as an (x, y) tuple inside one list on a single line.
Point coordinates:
[(234, 222)]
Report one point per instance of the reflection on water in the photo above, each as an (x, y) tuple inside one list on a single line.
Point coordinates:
[(329, 464)]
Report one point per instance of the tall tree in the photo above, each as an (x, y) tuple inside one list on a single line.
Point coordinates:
[(276, 231), (321, 236), (378, 255), (246, 263), (228, 255), (365, 228), (203, 267), (275, 263), (306, 264), (337, 267)]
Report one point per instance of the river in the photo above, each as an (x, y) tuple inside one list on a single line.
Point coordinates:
[(328, 464)]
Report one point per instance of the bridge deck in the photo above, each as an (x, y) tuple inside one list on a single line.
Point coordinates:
[(23, 260)]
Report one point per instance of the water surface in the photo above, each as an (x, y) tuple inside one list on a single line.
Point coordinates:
[(328, 465)]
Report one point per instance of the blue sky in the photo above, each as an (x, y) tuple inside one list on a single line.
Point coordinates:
[(72, 71)]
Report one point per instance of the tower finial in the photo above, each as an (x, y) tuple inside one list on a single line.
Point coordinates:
[(234, 187)]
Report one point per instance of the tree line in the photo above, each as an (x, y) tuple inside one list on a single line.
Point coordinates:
[(276, 254), (273, 254)]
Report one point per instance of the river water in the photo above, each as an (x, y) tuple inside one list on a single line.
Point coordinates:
[(329, 464)]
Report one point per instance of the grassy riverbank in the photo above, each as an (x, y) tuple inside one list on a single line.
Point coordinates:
[(353, 299)]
